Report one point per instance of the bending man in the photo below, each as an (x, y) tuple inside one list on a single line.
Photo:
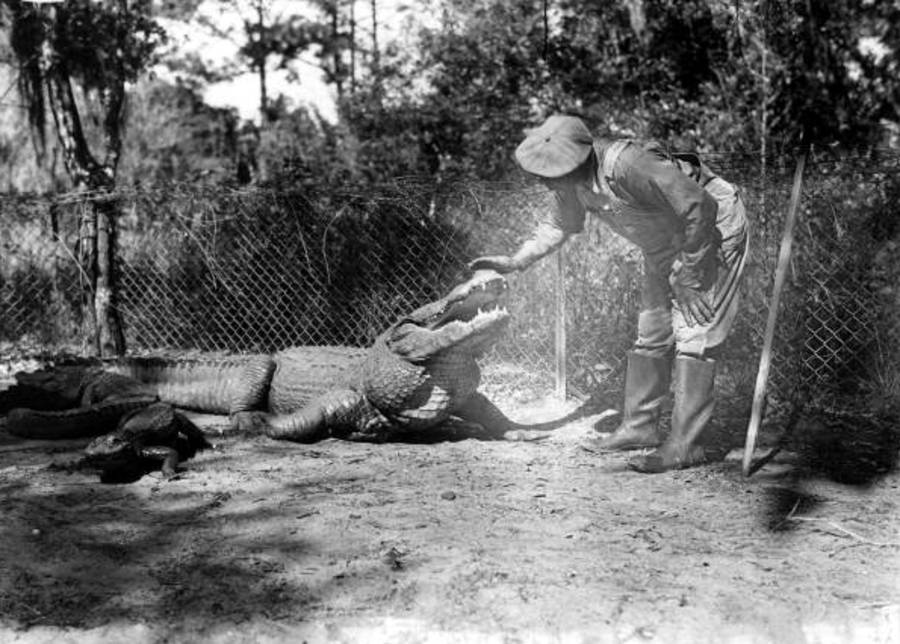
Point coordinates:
[(692, 229)]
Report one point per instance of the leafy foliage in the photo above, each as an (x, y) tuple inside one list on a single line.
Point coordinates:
[(699, 74), (175, 137), (827, 85), (98, 44)]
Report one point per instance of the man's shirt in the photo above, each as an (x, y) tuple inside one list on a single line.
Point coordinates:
[(653, 203)]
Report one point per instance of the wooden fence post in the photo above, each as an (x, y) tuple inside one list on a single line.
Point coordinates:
[(765, 359), (560, 337)]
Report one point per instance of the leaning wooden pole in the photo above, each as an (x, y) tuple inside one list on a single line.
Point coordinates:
[(781, 270)]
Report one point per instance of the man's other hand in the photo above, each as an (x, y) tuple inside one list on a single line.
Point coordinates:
[(693, 305)]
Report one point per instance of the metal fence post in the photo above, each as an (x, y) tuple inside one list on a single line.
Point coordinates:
[(560, 339)]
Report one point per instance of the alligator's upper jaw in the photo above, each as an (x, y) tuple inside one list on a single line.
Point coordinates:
[(473, 337), (484, 291), (469, 319)]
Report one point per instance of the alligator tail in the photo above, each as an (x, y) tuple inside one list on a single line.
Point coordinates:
[(337, 413), (23, 395), (97, 419), (479, 409)]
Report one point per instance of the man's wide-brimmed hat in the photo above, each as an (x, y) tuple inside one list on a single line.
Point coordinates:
[(558, 146)]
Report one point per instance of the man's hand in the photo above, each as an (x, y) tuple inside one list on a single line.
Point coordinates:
[(499, 263), (693, 304)]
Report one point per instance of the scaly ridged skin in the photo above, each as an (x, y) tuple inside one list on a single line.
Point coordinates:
[(99, 386), (226, 385), (417, 396), (303, 374), (340, 413)]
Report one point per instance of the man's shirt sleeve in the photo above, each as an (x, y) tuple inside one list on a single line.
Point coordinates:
[(568, 212)]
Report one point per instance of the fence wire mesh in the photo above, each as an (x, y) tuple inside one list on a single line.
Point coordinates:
[(208, 268), (842, 320)]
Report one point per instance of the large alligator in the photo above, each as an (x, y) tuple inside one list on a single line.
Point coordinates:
[(420, 372)]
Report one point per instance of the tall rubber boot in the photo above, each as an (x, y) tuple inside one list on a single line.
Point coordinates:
[(694, 403), (647, 381)]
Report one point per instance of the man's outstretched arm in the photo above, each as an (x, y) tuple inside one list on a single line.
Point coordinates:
[(546, 239)]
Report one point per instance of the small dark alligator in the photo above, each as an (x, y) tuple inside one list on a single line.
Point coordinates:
[(155, 435), (419, 373)]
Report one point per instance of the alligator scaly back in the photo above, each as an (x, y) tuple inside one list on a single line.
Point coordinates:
[(219, 385), (303, 374)]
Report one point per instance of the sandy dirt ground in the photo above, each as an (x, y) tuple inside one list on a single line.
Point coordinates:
[(442, 541)]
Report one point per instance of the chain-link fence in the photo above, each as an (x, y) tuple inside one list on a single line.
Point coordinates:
[(215, 269), (839, 322)]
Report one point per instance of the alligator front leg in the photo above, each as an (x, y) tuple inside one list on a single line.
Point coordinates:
[(341, 413), (167, 456)]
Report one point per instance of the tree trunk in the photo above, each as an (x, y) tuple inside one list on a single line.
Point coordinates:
[(110, 338), (546, 24), (352, 47), (97, 234), (376, 57), (261, 67), (336, 56), (61, 317), (637, 18)]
